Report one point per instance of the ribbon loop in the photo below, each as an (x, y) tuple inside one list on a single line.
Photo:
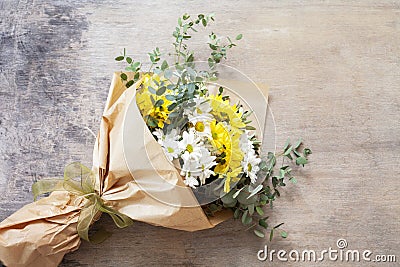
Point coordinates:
[(80, 181)]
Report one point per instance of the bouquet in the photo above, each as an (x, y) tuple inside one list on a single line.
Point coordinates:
[(178, 147)]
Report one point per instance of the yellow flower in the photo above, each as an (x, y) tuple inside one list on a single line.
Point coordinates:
[(232, 176), (228, 146), (221, 139), (145, 104), (222, 110)]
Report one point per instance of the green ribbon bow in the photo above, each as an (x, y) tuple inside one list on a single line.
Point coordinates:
[(80, 181)]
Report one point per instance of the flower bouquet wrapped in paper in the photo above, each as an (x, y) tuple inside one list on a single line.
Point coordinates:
[(179, 147)]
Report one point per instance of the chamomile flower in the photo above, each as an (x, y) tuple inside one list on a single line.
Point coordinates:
[(190, 162), (191, 147), (202, 107), (158, 133), (201, 127), (169, 143), (206, 162), (191, 181), (250, 165), (245, 143), (171, 149), (190, 143)]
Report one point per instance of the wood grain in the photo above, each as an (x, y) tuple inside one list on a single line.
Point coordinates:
[(334, 73)]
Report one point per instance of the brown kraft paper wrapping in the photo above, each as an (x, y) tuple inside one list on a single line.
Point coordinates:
[(42, 232)]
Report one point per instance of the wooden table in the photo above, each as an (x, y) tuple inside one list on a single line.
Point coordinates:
[(334, 73)]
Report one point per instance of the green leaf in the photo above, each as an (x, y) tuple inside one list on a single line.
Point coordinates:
[(239, 36), (259, 211), (151, 89), (159, 103), (271, 235), (264, 197), (288, 150), (236, 214), (228, 200), (307, 152), (255, 191), (129, 60), (204, 22), (137, 75), (251, 209), (129, 83), (123, 76), (263, 165), (285, 147), (151, 122), (250, 128), (164, 65), (161, 91), (173, 114), (263, 223), (284, 234), (301, 161), (135, 65), (242, 198), (153, 101), (246, 219), (237, 192), (172, 106), (296, 153), (298, 144), (170, 97), (259, 233), (120, 58), (244, 216), (279, 225), (168, 73)]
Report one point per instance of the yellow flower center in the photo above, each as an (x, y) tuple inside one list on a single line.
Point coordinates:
[(189, 148), (249, 167), (199, 126), (215, 135), (170, 150)]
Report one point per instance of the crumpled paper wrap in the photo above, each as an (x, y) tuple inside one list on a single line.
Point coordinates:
[(42, 232)]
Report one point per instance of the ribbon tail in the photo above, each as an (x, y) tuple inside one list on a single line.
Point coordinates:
[(85, 219), (46, 186), (121, 220)]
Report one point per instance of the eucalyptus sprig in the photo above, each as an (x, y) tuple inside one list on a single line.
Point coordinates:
[(183, 56), (249, 203)]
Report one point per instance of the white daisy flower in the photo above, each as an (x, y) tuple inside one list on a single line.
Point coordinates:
[(206, 162), (250, 160), (171, 149), (250, 165), (189, 141), (191, 181), (202, 107), (192, 147), (159, 134), (169, 143)]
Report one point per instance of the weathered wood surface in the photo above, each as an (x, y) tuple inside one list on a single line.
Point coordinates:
[(334, 73)]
